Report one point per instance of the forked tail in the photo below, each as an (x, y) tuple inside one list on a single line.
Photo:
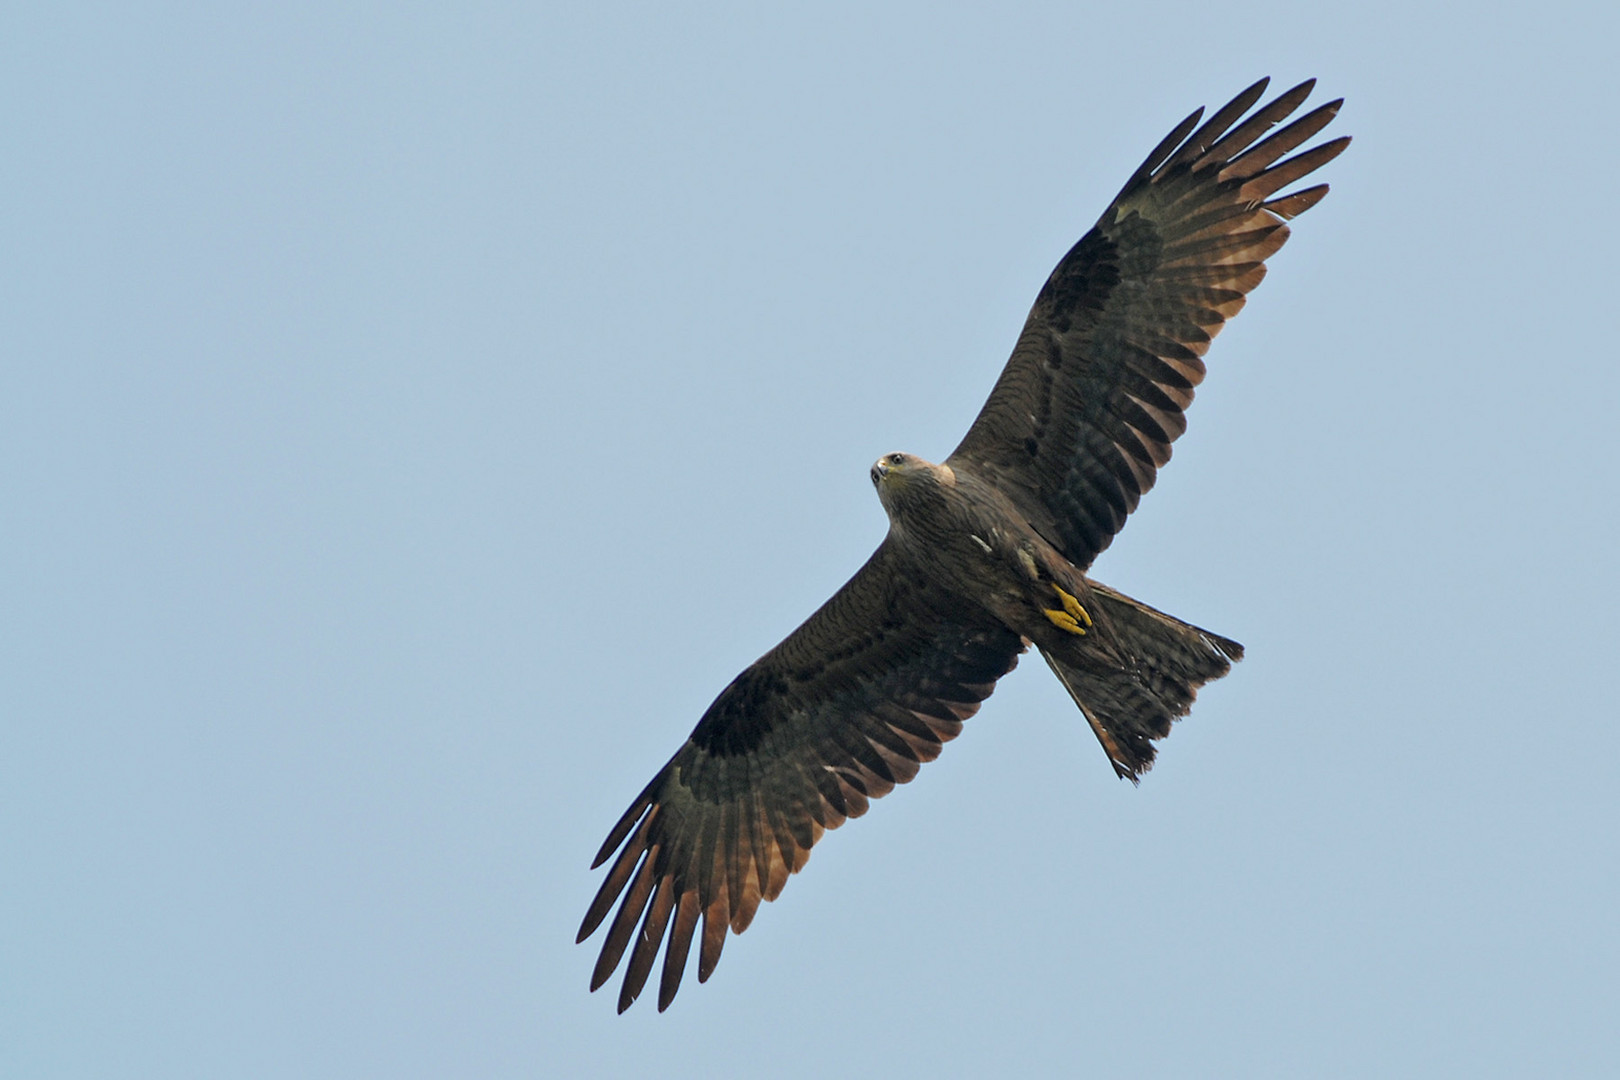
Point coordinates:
[(1166, 661)]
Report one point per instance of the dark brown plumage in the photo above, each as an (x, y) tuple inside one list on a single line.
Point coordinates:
[(985, 556)]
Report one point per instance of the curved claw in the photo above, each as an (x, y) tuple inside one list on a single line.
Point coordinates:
[(1073, 618)]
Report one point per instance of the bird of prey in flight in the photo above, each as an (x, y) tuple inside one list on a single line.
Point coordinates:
[(986, 555)]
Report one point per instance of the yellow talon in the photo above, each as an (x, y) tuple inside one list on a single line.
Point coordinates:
[(1076, 613), (1063, 620)]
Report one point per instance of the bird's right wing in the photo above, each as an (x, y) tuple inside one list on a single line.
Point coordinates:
[(1084, 413), (840, 712)]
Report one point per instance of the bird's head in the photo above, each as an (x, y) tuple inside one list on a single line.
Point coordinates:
[(902, 478)]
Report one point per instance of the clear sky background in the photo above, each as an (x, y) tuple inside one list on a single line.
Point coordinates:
[(412, 416)]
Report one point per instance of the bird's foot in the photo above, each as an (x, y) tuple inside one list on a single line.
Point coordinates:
[(1072, 617)]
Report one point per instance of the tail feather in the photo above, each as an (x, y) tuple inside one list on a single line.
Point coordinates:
[(1129, 705)]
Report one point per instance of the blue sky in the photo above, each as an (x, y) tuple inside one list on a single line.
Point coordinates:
[(411, 418)]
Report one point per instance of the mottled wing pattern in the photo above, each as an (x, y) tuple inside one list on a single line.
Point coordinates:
[(845, 708), (1085, 411)]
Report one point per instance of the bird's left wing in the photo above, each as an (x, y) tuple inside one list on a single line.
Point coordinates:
[(845, 708), (1084, 413)]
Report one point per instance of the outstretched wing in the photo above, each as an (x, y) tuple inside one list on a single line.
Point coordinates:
[(836, 715), (1085, 411)]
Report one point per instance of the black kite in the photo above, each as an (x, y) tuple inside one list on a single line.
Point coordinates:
[(986, 554)]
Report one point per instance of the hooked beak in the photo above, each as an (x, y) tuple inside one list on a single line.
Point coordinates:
[(879, 471)]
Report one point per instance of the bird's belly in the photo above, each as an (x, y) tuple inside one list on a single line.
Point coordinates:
[(998, 572)]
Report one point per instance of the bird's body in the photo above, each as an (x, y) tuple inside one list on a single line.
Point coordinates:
[(964, 535), (987, 554)]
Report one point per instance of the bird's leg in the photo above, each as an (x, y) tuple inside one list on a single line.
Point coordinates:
[(1071, 617)]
